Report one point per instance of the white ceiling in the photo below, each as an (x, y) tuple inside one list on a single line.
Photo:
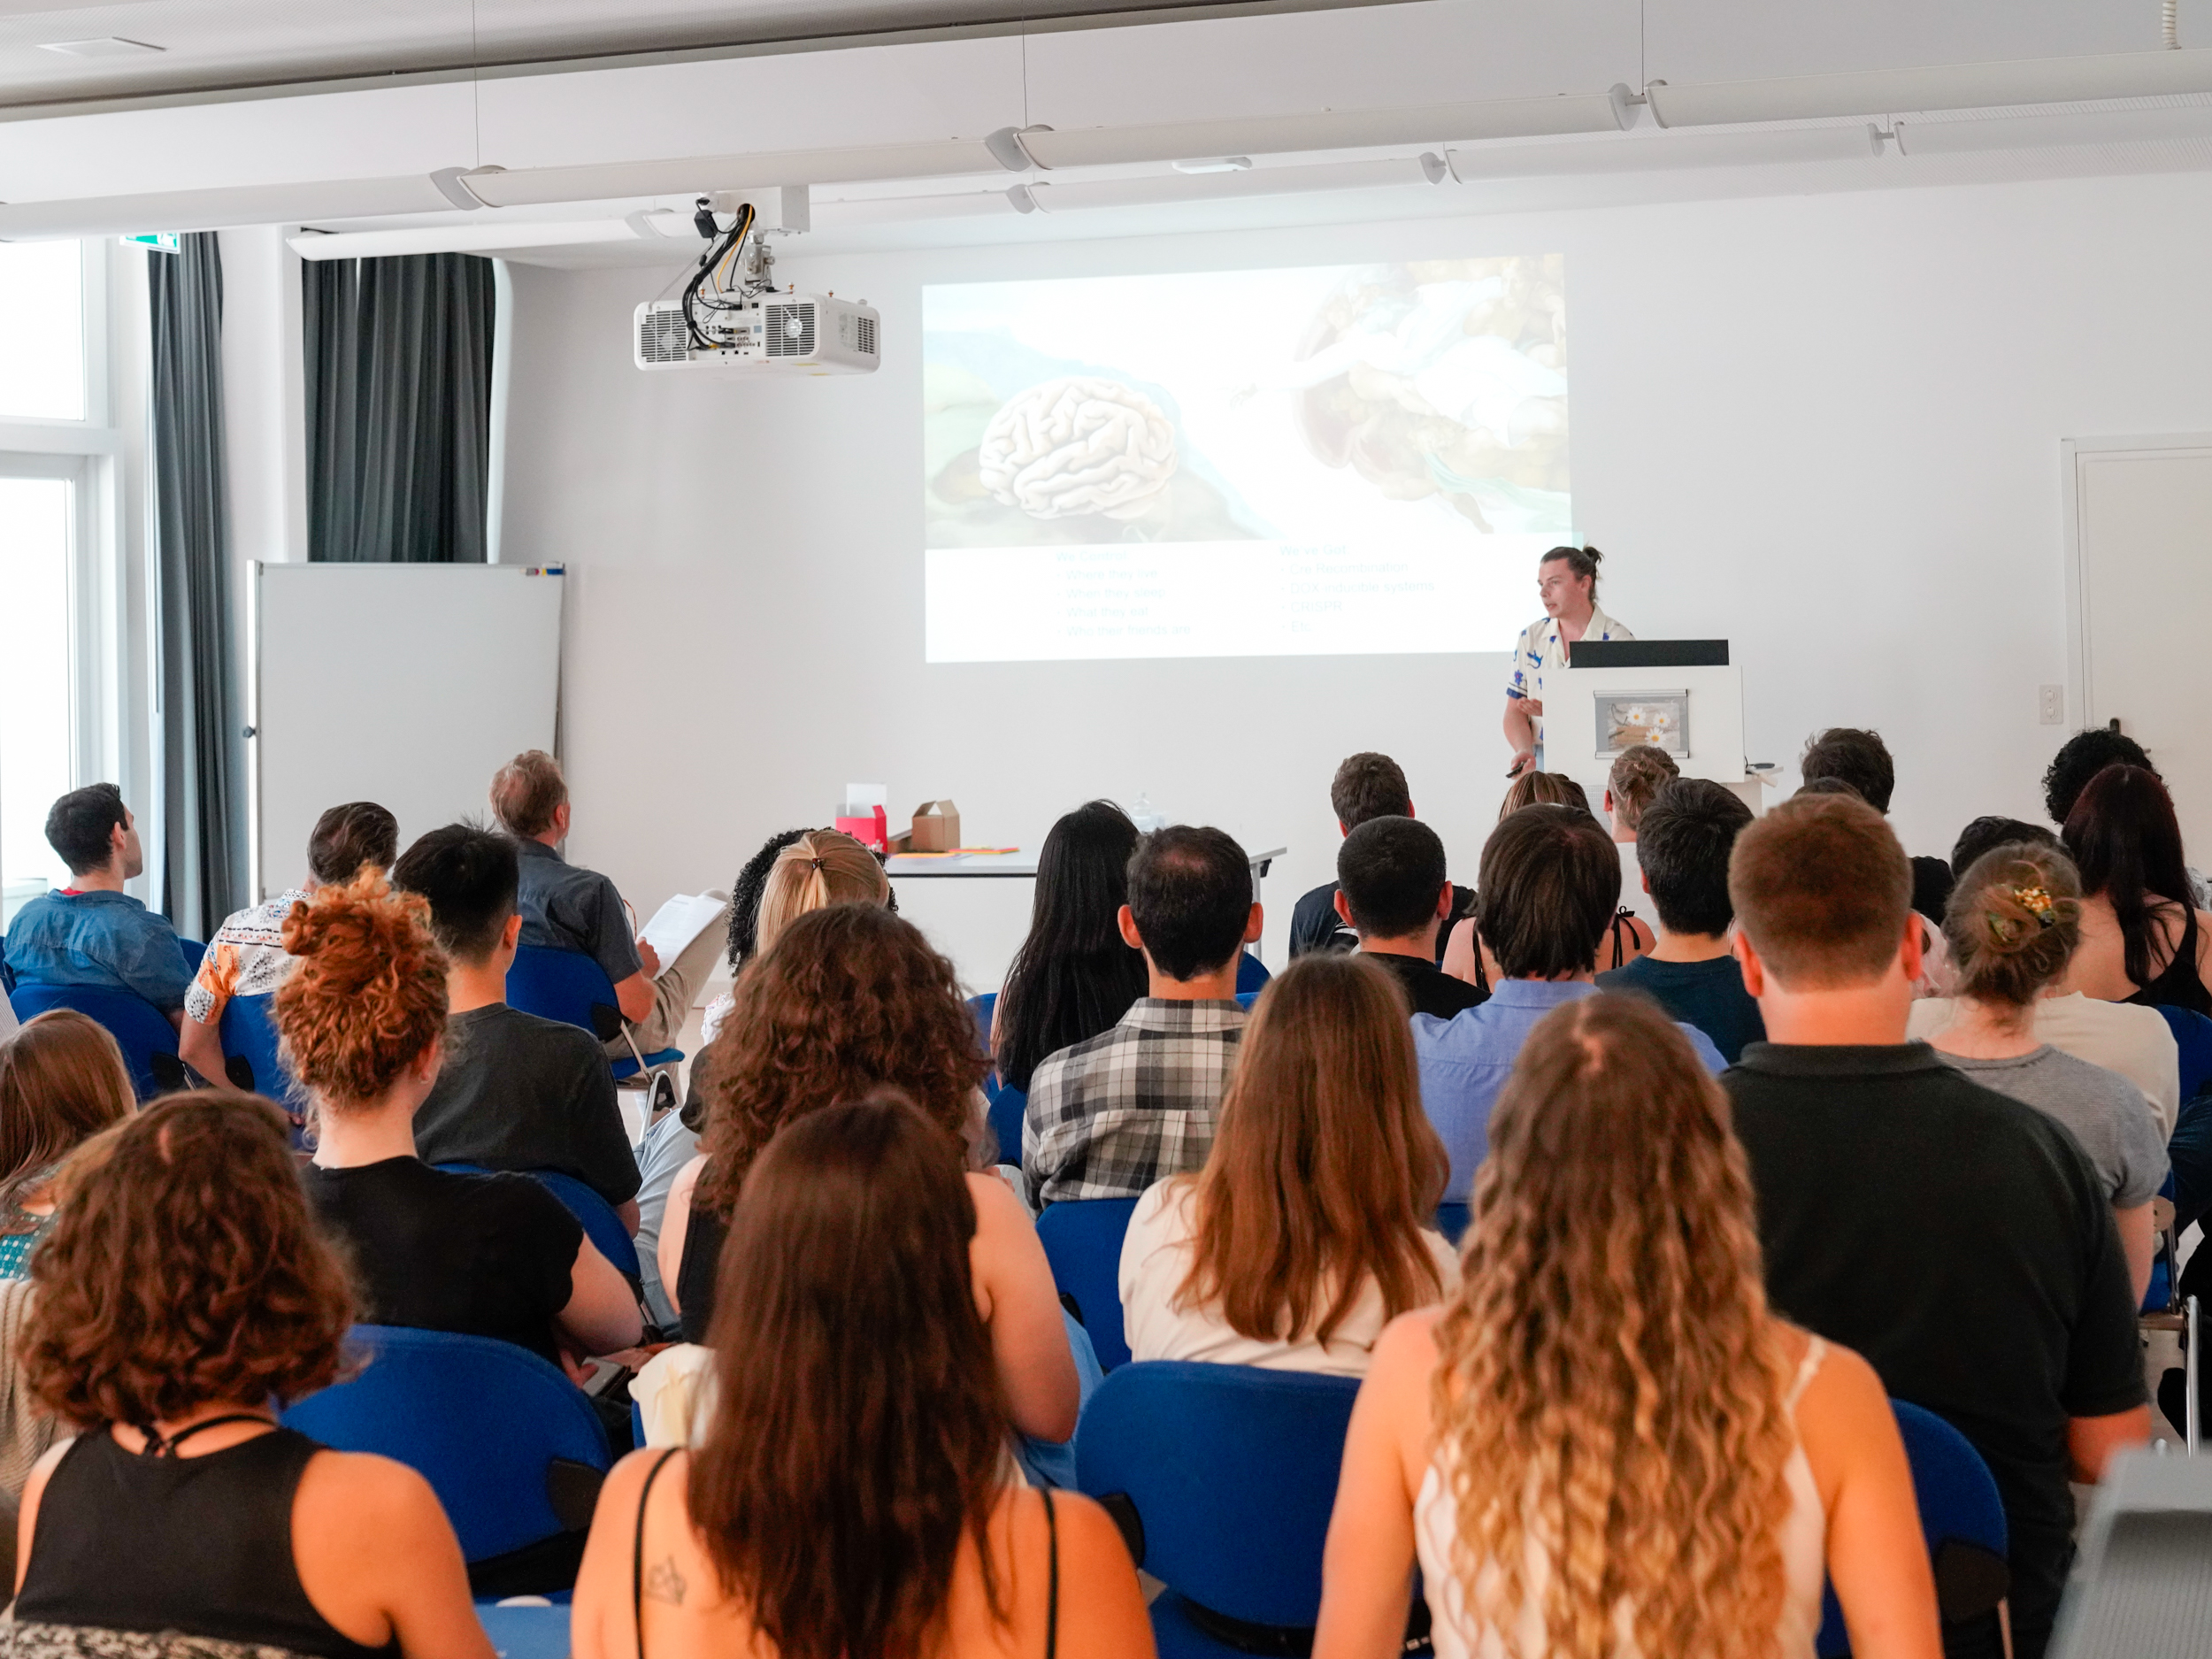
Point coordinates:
[(221, 44)]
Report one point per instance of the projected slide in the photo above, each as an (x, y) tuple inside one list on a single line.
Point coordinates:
[(1331, 459)]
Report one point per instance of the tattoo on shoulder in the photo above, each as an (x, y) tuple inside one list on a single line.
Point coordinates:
[(663, 1583)]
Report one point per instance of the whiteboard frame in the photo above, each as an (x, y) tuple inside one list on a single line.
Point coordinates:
[(256, 791)]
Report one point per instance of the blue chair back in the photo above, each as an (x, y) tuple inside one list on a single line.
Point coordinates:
[(139, 1028), (601, 1225), (2192, 1035), (194, 950), (572, 987), (512, 1448), (1451, 1221), (1230, 1472), (1961, 1518), (249, 1034), (1082, 1241), (1252, 973), (1006, 1105)]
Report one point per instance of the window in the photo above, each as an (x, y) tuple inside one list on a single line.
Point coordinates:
[(41, 331), (37, 538)]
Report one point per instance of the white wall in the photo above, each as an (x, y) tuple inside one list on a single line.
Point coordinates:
[(1824, 427)]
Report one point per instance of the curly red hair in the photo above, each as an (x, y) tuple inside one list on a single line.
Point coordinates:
[(368, 997), (847, 999), (183, 1270)]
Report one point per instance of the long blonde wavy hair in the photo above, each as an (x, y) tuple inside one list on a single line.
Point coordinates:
[(1611, 1386)]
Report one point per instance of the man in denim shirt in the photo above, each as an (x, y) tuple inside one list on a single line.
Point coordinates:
[(91, 932)]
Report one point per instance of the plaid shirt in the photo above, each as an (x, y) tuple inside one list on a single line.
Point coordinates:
[(1109, 1116)]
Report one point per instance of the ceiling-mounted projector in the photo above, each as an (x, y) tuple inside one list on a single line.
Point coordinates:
[(731, 317), (775, 333)]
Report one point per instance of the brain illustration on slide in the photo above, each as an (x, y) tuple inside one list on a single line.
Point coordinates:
[(1311, 460)]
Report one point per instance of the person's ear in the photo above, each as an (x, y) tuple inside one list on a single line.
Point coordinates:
[(1755, 971), (1911, 956), (1444, 903), (1342, 828), (1409, 811), (1644, 876), (560, 819), (1254, 927), (426, 1067), (511, 935), (1609, 803), (1344, 910), (1125, 919)]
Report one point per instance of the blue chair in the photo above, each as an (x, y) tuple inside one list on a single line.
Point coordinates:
[(572, 987), (1245, 999), (513, 1449), (1252, 974), (1082, 1241), (1961, 1517), (1006, 1105), (148, 1041), (2193, 1036), (1221, 1478), (194, 952), (601, 1225), (1451, 1221), (250, 1035), (526, 1632)]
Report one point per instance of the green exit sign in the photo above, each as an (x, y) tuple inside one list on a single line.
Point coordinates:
[(164, 240)]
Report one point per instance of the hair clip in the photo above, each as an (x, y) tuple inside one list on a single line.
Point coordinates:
[(2037, 903)]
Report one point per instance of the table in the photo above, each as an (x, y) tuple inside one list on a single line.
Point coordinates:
[(1017, 864)]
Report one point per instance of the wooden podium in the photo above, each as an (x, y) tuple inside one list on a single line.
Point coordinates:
[(1683, 695)]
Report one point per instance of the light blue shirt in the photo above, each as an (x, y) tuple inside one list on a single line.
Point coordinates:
[(1466, 1059), (98, 937)]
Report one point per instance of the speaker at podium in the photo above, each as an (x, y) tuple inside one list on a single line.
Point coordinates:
[(1682, 695)]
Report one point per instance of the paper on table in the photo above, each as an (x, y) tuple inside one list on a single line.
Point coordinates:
[(680, 921)]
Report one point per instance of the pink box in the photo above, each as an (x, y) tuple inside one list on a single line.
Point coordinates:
[(869, 831)]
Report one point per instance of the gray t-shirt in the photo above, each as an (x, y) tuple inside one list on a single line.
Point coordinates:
[(2107, 1114)]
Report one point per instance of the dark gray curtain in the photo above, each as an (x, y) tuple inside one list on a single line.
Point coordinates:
[(203, 798), (399, 382)]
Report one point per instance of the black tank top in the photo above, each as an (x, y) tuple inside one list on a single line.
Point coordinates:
[(695, 1273), (197, 1545), (2179, 984)]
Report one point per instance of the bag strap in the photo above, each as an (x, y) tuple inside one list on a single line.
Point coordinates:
[(637, 1549)]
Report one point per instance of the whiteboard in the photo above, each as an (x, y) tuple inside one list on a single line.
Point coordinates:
[(408, 684)]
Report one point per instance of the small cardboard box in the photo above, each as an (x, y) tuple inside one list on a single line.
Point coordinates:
[(936, 827)]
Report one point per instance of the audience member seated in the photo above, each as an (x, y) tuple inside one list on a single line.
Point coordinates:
[(1638, 776), (1627, 938), (246, 958), (1366, 785), (1548, 879), (1074, 975), (1957, 1238), (360, 1020), (1862, 760), (1392, 894), (62, 1079), (92, 932), (1987, 833), (2014, 922), (185, 1296), (2081, 757), (1702, 1486), (849, 1494), (2143, 938), (514, 1091), (568, 907), (745, 896), (1312, 1225), (1109, 1116), (1682, 849), (846, 1000)]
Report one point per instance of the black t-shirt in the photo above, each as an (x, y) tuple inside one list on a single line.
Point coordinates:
[(1707, 994), (1962, 1242), (1433, 990), (1315, 925), (516, 1092), (483, 1255)]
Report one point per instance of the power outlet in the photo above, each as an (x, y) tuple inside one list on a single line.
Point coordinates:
[(2050, 704)]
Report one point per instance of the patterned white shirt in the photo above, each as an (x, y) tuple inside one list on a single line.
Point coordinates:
[(1542, 651), (245, 958)]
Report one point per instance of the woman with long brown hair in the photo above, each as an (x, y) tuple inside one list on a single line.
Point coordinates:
[(1308, 1230), (1605, 1443), (849, 1496), (62, 1079), (184, 1296), (849, 999)]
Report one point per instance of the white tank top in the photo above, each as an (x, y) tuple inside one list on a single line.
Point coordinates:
[(1458, 1636)]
